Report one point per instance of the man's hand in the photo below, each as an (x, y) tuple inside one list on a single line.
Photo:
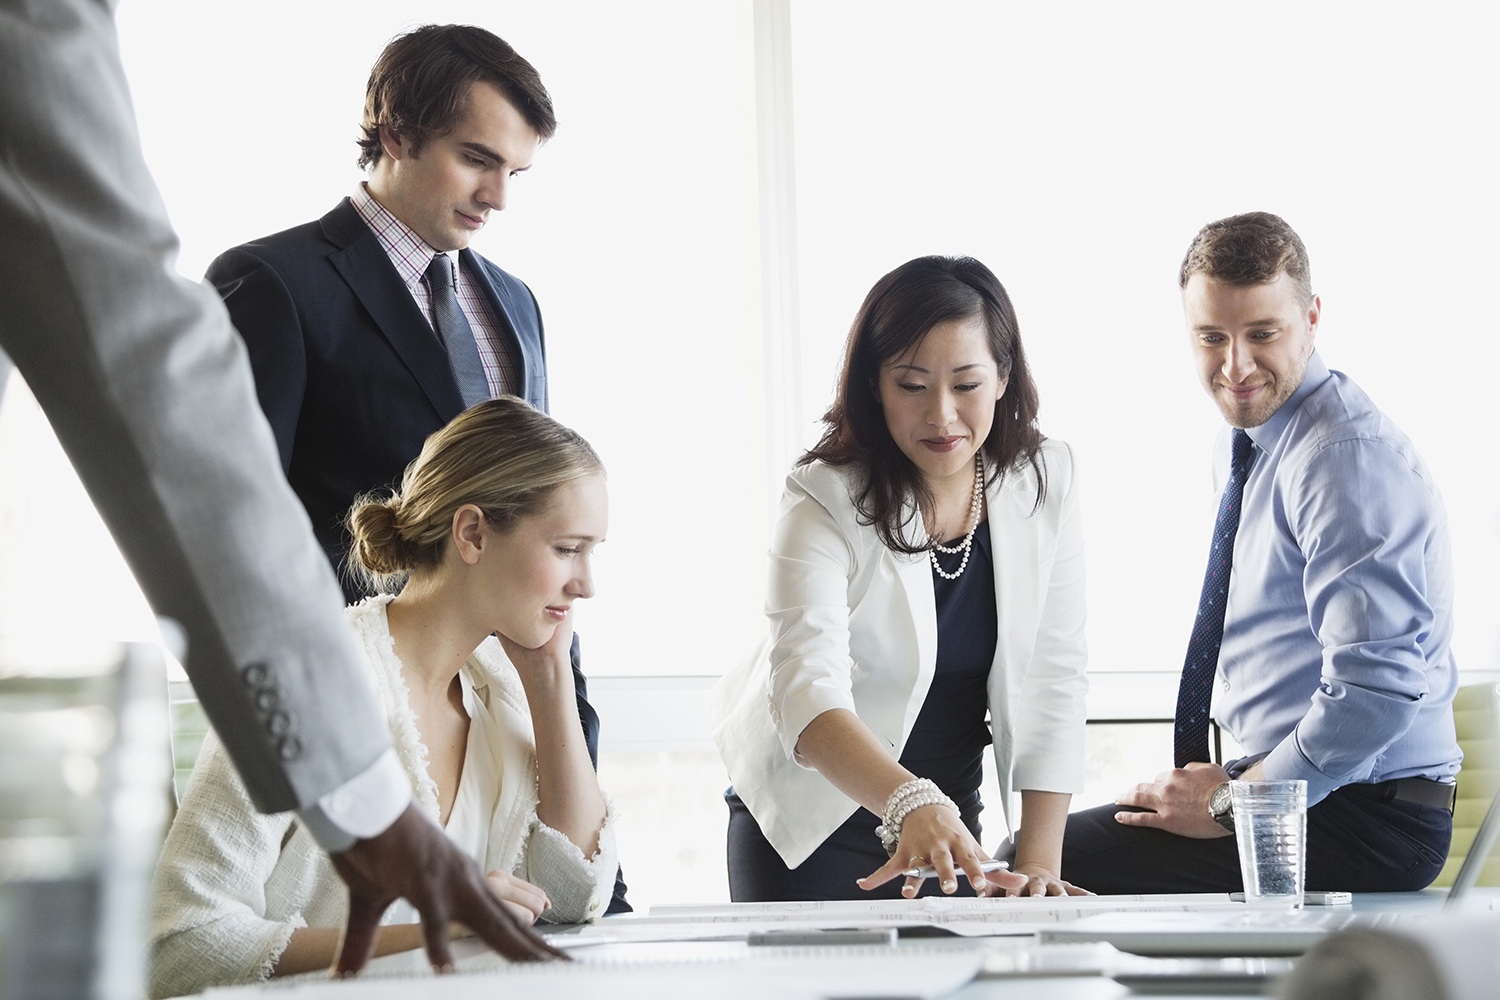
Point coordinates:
[(415, 860), (1178, 801)]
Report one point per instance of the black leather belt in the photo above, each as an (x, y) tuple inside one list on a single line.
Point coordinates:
[(1421, 791)]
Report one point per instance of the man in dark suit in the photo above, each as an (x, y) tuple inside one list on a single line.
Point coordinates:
[(342, 316), (374, 326)]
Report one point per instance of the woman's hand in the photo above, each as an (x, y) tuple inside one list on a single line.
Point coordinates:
[(550, 661), (935, 835), (569, 800), (520, 898), (1041, 882)]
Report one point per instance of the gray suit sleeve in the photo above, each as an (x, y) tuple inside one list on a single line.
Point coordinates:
[(150, 393)]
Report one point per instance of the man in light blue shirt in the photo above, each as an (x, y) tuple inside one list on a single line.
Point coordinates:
[(1323, 645)]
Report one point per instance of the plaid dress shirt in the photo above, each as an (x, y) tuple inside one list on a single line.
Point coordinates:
[(411, 255)]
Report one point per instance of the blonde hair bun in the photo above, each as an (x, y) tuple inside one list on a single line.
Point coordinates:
[(378, 547), (501, 455)]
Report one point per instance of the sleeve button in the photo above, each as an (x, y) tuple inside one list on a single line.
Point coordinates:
[(280, 723)]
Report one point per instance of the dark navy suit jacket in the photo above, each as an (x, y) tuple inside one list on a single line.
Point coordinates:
[(348, 370), (351, 375)]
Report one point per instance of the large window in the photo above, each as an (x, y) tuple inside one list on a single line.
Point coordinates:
[(630, 229), (1074, 147), (1077, 147)]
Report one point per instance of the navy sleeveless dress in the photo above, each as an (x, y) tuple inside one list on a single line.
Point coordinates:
[(946, 745)]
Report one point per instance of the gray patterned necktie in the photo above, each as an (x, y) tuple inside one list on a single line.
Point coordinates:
[(456, 334)]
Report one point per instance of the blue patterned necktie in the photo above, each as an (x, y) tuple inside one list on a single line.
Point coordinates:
[(1190, 737), (455, 332)]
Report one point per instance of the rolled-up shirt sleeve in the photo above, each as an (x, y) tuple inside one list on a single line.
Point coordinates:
[(1366, 519)]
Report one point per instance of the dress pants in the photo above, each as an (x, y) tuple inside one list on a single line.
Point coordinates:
[(1358, 840)]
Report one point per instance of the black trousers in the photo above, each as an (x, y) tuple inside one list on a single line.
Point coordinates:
[(757, 873), (1358, 840)]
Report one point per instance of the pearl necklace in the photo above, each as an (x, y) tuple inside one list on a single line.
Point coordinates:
[(965, 546)]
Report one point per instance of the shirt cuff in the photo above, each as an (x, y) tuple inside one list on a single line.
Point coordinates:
[(361, 807), (798, 711), (1288, 763)]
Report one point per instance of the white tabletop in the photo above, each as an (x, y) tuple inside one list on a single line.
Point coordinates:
[(612, 962)]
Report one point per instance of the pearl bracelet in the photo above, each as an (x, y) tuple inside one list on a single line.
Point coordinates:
[(906, 798)]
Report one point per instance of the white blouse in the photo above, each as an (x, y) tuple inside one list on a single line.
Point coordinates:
[(233, 884)]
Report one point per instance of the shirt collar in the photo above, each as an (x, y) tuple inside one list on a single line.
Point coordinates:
[(1268, 433), (409, 252)]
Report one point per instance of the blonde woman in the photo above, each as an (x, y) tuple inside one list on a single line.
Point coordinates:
[(489, 541)]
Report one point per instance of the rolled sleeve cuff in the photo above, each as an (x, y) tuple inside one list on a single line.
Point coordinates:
[(361, 807), (798, 711), (1288, 763)]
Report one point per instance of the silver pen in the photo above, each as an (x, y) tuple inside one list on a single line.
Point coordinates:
[(927, 871)]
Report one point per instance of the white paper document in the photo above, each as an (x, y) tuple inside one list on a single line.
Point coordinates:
[(967, 917), (732, 974)]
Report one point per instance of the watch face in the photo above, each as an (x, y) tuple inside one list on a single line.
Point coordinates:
[(1219, 800)]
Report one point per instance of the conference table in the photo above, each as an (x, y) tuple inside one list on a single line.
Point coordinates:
[(965, 949)]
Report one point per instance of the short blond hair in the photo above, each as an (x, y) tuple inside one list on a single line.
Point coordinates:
[(501, 455)]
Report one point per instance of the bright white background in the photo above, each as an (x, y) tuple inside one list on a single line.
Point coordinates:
[(1073, 147), (629, 229), (1076, 149)]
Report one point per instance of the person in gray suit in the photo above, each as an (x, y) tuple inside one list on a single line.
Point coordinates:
[(151, 396)]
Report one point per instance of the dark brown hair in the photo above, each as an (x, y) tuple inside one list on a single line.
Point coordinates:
[(420, 86), (501, 455), (1249, 249), (899, 311)]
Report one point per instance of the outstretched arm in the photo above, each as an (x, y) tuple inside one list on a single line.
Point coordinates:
[(151, 397), (845, 752)]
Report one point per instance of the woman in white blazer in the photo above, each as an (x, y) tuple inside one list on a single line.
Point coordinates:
[(926, 570), (491, 536)]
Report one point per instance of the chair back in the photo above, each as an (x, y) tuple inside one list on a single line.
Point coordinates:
[(1476, 717)]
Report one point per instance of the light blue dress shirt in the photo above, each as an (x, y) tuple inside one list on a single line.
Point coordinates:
[(1336, 662)]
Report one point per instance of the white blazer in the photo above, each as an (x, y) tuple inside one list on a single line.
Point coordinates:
[(854, 626)]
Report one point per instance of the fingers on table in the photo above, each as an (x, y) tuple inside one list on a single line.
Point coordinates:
[(435, 935), (969, 861), (360, 933), (884, 873)]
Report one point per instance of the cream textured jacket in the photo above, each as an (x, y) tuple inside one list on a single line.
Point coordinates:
[(234, 883), (853, 625)]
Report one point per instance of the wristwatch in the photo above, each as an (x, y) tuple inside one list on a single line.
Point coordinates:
[(1221, 806)]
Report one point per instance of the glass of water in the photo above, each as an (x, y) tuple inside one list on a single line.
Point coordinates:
[(1270, 823), (84, 766)]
